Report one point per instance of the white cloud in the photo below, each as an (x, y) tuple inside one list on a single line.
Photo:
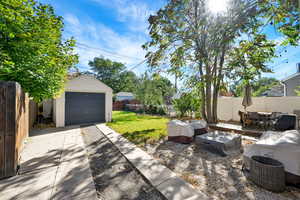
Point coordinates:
[(95, 39), (134, 12)]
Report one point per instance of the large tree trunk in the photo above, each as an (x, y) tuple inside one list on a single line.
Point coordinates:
[(176, 77), (202, 93), (208, 93), (217, 86), (215, 91)]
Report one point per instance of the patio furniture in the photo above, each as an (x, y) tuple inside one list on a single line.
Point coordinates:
[(219, 142), (264, 119), (282, 146), (181, 132), (286, 122), (267, 173), (200, 126), (254, 118), (297, 112)]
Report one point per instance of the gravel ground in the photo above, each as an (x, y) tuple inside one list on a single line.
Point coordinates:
[(114, 176), (218, 177)]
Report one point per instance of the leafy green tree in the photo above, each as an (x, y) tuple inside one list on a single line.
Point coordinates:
[(187, 103), (187, 35), (258, 86), (284, 15), (31, 48), (248, 60), (298, 91), (165, 86), (129, 81), (114, 74), (263, 84), (153, 90), (108, 71)]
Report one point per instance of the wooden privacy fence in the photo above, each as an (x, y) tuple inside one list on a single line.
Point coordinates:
[(14, 126)]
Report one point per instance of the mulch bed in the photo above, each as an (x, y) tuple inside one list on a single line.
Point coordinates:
[(218, 177)]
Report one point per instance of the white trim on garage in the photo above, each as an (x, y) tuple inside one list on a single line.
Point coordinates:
[(83, 83)]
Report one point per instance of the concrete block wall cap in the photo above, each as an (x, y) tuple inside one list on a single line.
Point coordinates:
[(103, 127), (154, 171), (177, 189), (127, 149)]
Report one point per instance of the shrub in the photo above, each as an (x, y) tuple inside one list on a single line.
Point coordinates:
[(186, 103)]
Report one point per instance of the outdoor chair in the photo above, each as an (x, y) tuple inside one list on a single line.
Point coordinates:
[(286, 122), (273, 119), (254, 118), (297, 113), (262, 122)]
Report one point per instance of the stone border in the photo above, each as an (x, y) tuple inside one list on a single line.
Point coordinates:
[(163, 179)]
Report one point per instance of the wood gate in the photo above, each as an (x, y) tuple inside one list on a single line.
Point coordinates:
[(13, 126)]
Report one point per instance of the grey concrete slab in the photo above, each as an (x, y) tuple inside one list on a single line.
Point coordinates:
[(35, 185), (42, 161), (72, 181), (54, 165)]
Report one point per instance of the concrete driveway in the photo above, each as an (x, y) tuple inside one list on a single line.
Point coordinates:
[(54, 165)]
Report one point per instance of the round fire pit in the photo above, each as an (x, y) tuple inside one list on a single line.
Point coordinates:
[(267, 173)]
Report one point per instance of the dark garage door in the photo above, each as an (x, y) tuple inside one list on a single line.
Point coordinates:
[(82, 108)]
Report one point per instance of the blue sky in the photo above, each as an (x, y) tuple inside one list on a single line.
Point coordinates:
[(116, 29)]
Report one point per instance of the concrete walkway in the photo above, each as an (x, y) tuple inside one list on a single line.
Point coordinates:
[(54, 165), (163, 179)]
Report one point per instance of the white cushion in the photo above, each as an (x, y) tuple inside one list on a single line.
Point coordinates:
[(198, 124), (180, 128), (282, 146)]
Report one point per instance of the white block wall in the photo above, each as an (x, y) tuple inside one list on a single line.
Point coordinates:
[(228, 107)]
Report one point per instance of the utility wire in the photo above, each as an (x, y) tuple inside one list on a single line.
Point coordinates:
[(137, 65), (86, 46), (107, 51)]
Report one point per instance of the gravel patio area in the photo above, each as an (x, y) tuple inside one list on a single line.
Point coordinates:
[(114, 176), (218, 177)]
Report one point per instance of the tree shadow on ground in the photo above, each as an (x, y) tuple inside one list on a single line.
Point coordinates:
[(216, 176), (39, 173), (114, 177)]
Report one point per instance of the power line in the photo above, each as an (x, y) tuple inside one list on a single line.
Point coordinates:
[(137, 65), (101, 52), (107, 51)]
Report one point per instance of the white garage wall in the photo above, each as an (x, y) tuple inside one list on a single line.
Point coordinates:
[(83, 83), (228, 107)]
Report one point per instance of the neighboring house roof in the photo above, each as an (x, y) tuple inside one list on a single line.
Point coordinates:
[(290, 77), (275, 91), (124, 94)]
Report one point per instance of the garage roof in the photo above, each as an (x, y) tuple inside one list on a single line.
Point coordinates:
[(86, 82)]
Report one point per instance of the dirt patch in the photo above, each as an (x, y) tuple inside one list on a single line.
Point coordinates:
[(216, 176), (114, 176)]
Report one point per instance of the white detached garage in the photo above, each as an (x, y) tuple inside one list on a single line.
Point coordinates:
[(85, 100)]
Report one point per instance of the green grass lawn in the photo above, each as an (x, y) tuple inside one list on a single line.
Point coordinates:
[(139, 129)]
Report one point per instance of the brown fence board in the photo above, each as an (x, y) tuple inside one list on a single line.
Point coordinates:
[(13, 126), (2, 129)]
